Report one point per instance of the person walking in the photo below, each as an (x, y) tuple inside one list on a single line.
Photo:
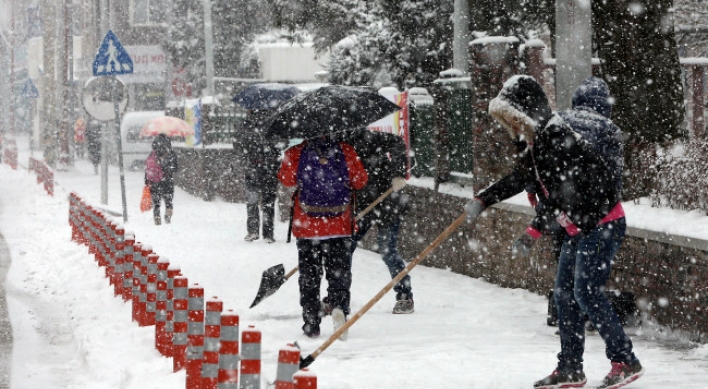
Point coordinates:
[(324, 173), (93, 139), (582, 189), (385, 160), (160, 167), (262, 160)]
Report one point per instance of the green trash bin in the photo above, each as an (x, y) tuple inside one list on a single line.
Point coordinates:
[(422, 134)]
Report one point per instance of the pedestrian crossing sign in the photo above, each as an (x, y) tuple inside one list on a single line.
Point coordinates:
[(111, 58), (29, 91)]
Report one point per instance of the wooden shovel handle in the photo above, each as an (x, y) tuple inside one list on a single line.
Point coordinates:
[(452, 227), (375, 203)]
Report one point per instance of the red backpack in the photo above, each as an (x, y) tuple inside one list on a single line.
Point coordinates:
[(153, 170)]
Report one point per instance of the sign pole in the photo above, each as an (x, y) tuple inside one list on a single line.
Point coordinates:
[(116, 109)]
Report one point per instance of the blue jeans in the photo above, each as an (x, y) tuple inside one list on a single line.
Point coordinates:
[(583, 270), (387, 239)]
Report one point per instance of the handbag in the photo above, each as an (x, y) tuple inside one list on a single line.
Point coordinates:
[(146, 200)]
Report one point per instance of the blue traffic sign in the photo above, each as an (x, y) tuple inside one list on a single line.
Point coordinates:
[(111, 58), (29, 91)]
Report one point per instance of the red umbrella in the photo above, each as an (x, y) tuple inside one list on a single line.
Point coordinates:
[(168, 125)]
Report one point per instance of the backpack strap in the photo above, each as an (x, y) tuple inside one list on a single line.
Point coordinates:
[(292, 213)]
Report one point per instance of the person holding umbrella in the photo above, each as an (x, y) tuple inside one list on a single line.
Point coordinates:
[(324, 172), (93, 139), (160, 167)]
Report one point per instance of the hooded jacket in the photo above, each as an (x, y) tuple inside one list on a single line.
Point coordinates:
[(384, 158), (575, 180)]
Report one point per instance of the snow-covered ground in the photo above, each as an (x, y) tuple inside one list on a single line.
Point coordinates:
[(70, 332)]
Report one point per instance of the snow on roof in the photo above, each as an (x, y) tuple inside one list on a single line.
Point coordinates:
[(140, 117), (494, 39)]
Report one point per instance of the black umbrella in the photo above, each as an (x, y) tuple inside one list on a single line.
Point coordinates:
[(265, 96), (326, 110)]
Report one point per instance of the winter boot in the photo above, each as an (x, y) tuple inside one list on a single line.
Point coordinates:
[(168, 215), (621, 374), (311, 330), (558, 380), (251, 237), (338, 318), (157, 220), (404, 306)]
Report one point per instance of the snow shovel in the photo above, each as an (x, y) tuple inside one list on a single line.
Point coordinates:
[(274, 277), (307, 361)]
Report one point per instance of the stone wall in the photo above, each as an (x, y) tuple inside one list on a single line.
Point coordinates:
[(667, 274)]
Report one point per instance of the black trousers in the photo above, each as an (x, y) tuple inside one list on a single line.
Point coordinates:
[(265, 199), (335, 255)]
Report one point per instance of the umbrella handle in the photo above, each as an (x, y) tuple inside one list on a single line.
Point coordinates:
[(304, 362)]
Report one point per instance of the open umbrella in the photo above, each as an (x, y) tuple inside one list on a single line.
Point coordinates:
[(265, 96), (325, 110), (168, 125)]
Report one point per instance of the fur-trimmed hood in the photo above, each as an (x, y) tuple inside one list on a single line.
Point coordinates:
[(521, 100)]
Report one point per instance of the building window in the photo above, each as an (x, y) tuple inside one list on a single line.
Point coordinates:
[(148, 11)]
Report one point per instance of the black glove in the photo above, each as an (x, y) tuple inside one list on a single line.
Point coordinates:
[(473, 208), (522, 245)]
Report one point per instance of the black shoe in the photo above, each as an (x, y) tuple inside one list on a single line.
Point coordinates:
[(311, 330), (558, 380)]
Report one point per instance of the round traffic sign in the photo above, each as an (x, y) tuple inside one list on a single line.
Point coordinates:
[(98, 97)]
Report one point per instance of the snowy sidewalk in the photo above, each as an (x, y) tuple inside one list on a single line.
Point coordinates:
[(70, 332)]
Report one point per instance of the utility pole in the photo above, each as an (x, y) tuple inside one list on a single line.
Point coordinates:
[(573, 48), (209, 48), (105, 132), (12, 68), (65, 130), (460, 40)]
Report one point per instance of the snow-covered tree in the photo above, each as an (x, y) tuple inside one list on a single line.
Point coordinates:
[(234, 24), (637, 48)]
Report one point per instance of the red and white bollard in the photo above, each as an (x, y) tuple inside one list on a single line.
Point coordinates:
[(288, 365), (195, 337), (137, 253), (119, 258), (304, 379), (161, 338), (251, 358), (151, 290), (228, 351), (142, 302), (179, 333), (212, 334), (172, 272), (128, 266)]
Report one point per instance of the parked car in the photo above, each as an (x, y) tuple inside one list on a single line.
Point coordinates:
[(136, 148)]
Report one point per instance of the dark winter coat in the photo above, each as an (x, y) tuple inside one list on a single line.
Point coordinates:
[(167, 159), (93, 139), (590, 116), (384, 158), (577, 179), (261, 158)]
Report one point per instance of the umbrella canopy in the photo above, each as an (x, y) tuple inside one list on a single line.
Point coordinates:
[(325, 110), (167, 125), (265, 96)]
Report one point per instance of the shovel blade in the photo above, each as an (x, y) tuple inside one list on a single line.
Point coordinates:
[(271, 281)]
